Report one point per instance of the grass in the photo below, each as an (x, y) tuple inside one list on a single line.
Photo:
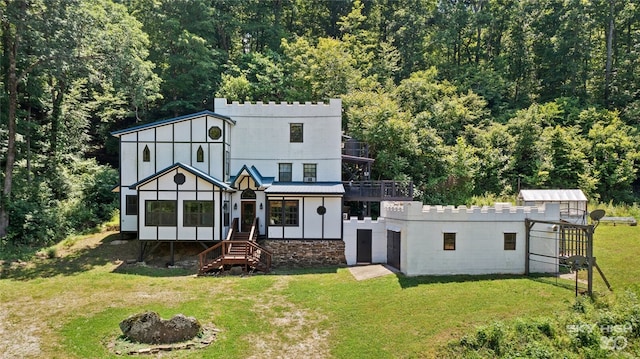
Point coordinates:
[(70, 305)]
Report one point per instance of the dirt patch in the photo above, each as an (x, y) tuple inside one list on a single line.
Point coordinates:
[(295, 333), (17, 339)]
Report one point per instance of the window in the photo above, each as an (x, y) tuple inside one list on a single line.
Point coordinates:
[(146, 154), (131, 205), (295, 132), (215, 133), (309, 172), (509, 241), (284, 172), (449, 241), (225, 209), (248, 194), (161, 213), (227, 163), (200, 155), (198, 214), (283, 213)]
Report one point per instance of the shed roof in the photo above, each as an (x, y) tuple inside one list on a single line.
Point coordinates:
[(331, 188), (549, 195)]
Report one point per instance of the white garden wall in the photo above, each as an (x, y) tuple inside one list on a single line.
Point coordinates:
[(479, 233)]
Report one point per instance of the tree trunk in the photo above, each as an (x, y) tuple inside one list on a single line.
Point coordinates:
[(11, 43), (607, 73)]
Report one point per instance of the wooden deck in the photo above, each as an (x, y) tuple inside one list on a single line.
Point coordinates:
[(239, 249)]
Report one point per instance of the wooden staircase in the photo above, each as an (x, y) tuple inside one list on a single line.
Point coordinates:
[(238, 249)]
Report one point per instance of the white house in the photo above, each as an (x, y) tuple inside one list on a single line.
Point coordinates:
[(277, 165), (273, 171)]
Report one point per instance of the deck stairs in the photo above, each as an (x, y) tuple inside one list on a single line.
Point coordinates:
[(238, 249)]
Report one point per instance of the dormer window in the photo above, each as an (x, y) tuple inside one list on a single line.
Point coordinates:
[(146, 154), (200, 155)]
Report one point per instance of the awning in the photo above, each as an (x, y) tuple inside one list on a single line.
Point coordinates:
[(552, 195)]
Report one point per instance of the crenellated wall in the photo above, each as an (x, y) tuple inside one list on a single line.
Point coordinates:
[(479, 233), (378, 239)]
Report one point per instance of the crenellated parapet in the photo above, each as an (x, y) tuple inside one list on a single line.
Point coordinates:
[(283, 109), (500, 212)]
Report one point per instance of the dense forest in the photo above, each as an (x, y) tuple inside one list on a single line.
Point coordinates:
[(463, 97)]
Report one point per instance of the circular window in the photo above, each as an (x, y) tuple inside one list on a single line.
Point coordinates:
[(179, 179), (215, 132), (321, 210)]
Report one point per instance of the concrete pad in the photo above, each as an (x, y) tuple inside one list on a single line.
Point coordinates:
[(371, 271)]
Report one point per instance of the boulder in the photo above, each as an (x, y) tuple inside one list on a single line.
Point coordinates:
[(149, 328)]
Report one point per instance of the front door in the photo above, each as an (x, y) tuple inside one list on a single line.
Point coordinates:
[(363, 246), (247, 215)]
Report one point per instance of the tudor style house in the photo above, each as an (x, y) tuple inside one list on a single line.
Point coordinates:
[(272, 169)]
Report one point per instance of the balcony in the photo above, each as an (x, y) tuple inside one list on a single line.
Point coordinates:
[(355, 151), (376, 191)]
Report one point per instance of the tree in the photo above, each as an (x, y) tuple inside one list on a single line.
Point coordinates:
[(614, 154)]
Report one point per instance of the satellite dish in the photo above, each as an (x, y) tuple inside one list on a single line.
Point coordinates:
[(596, 214)]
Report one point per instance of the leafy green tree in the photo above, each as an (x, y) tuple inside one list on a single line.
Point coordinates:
[(526, 128), (565, 159), (183, 38), (494, 148), (463, 165), (376, 119), (614, 154)]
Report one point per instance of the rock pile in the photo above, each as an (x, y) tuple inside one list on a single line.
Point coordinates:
[(149, 328)]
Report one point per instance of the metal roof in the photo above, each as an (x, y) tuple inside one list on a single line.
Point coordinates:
[(196, 172), (549, 195), (171, 120), (333, 188), (253, 173)]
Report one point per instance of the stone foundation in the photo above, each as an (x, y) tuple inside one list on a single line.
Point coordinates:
[(306, 253)]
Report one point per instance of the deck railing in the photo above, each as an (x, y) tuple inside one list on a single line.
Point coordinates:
[(378, 191)]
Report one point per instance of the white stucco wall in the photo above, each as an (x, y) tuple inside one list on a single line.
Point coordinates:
[(311, 224), (164, 188), (378, 239), (479, 238), (261, 137)]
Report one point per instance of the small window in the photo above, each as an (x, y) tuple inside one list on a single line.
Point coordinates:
[(295, 132), (225, 211), (310, 172), (146, 154), (283, 213), (284, 172), (215, 133), (227, 163), (509, 241), (131, 205), (161, 213), (248, 194), (449, 241), (198, 214), (200, 155)]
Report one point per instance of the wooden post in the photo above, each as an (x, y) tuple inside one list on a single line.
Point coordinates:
[(527, 237), (590, 259)]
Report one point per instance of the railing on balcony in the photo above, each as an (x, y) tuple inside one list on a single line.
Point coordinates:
[(374, 191), (355, 149)]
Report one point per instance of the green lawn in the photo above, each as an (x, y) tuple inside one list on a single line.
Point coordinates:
[(71, 306)]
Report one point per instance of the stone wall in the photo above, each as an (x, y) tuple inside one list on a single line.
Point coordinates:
[(306, 253)]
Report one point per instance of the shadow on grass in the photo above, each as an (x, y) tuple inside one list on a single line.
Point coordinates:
[(79, 260), (409, 282)]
